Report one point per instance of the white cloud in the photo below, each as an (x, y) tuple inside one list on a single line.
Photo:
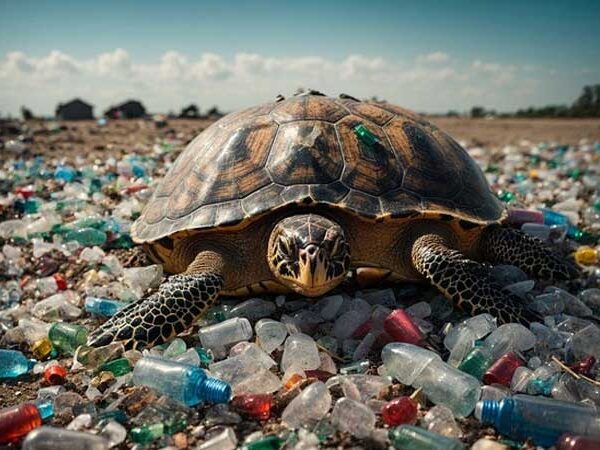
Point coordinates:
[(432, 82), (435, 57), (116, 62)]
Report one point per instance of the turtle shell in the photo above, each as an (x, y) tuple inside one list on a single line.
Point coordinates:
[(312, 149)]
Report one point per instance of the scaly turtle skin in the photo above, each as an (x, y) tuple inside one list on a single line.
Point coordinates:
[(291, 195)]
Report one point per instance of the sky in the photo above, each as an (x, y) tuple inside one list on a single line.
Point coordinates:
[(430, 56)]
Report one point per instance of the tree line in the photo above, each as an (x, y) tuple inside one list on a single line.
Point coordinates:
[(586, 105)]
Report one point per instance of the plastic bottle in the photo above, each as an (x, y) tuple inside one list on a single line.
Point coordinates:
[(50, 438), (67, 336), (87, 236), (441, 383), (542, 419), (184, 383), (13, 364), (554, 218), (146, 434), (103, 306), (225, 333), (118, 367), (17, 421), (409, 437)]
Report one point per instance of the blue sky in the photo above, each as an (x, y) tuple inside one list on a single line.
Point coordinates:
[(430, 56)]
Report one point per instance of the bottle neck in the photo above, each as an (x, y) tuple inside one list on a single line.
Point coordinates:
[(213, 390), (490, 409), (497, 412)]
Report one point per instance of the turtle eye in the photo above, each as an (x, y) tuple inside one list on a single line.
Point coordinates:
[(336, 248), (285, 247)]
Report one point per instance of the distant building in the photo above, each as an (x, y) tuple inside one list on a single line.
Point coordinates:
[(131, 109), (76, 109)]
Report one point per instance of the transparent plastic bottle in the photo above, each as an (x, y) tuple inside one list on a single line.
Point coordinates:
[(441, 383), (13, 364), (50, 438), (181, 382), (409, 437)]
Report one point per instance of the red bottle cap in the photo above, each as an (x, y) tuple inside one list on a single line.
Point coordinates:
[(585, 366), (401, 327), (502, 371), (400, 411), (25, 191), (61, 283), (55, 374), (255, 405)]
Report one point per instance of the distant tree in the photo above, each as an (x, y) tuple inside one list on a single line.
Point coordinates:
[(584, 105), (452, 113), (26, 113), (597, 100), (190, 112), (214, 112), (477, 111)]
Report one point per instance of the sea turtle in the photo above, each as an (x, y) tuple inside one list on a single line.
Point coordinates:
[(293, 194)]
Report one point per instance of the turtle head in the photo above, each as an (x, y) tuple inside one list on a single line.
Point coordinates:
[(309, 254)]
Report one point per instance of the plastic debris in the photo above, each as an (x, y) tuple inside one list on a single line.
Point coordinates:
[(68, 262), (17, 421)]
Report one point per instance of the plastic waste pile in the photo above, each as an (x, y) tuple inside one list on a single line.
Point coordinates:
[(395, 366)]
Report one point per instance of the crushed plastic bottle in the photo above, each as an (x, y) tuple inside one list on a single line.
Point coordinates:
[(442, 383)]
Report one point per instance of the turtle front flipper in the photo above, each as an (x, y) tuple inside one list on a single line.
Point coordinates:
[(158, 318), (465, 282), (506, 246)]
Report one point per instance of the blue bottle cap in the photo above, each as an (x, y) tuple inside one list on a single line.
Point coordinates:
[(45, 408)]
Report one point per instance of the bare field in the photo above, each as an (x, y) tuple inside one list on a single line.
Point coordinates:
[(87, 139), (493, 132)]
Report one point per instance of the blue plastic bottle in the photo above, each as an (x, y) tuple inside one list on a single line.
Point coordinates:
[(13, 364), (182, 382), (103, 306), (542, 419)]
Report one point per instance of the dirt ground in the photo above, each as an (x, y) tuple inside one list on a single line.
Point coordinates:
[(494, 132), (87, 139)]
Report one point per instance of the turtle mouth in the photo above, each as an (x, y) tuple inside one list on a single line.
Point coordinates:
[(312, 290)]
